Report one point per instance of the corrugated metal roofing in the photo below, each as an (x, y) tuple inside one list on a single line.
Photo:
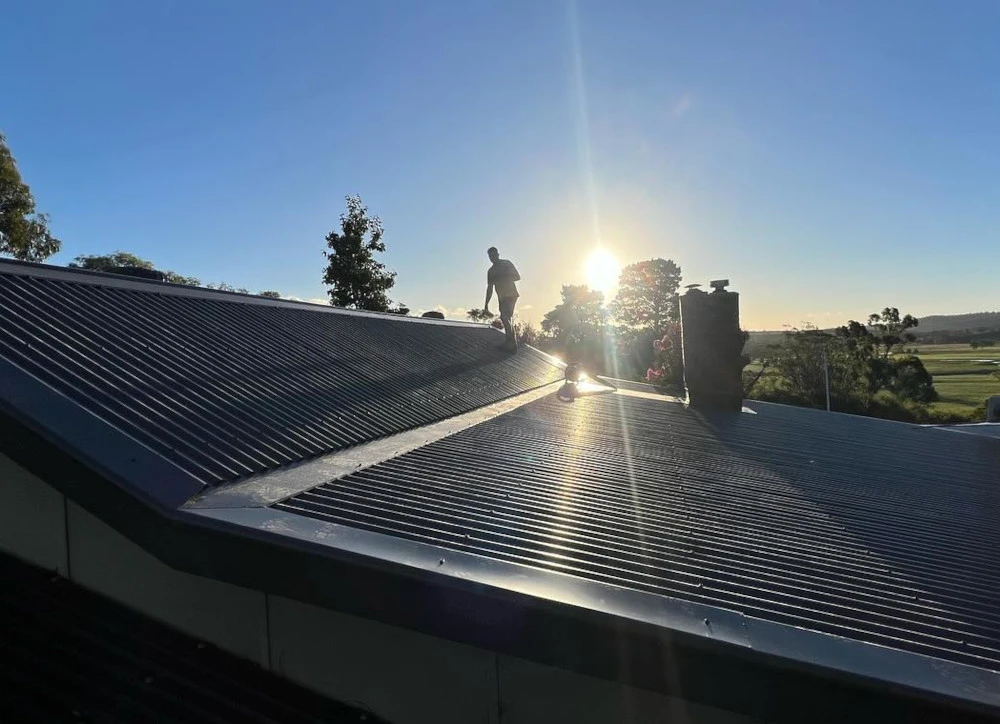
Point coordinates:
[(671, 390), (877, 531), (71, 655), (225, 387)]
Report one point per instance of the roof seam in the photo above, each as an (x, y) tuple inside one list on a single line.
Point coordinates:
[(275, 486)]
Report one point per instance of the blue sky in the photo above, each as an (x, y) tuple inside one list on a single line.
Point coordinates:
[(828, 158)]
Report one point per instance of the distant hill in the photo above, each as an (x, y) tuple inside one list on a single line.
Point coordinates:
[(934, 329), (984, 321)]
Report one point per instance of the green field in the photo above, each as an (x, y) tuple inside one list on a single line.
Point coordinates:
[(962, 375)]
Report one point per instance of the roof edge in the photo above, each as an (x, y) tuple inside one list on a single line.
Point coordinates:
[(872, 664), (121, 281), (697, 667), (38, 407)]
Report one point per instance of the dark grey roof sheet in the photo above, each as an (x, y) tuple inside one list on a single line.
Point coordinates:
[(671, 390), (877, 531), (72, 655), (225, 385)]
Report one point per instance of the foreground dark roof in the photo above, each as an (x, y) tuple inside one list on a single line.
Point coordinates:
[(225, 385), (854, 527), (72, 655)]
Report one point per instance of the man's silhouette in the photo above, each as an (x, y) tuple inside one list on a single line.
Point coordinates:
[(503, 275)]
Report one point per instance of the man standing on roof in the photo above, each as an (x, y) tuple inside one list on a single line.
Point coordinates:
[(503, 275)]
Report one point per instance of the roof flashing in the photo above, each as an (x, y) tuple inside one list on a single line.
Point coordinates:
[(877, 664), (273, 486)]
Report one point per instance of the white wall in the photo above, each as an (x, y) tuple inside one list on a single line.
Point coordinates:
[(32, 518), (398, 674), (403, 676), (231, 617), (536, 694)]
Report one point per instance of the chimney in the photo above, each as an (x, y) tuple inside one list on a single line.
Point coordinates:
[(712, 346)]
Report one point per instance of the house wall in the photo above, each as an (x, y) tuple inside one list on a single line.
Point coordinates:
[(32, 518), (403, 676), (101, 559)]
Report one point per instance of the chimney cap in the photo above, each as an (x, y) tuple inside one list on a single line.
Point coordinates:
[(719, 285)]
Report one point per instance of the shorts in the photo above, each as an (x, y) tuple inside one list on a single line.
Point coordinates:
[(507, 307)]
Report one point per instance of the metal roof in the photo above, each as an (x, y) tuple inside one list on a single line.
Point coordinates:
[(794, 536), (72, 655), (226, 385), (866, 529)]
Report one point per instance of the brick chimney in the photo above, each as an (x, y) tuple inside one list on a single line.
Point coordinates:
[(712, 346)]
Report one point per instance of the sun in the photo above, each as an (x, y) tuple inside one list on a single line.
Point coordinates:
[(602, 271)]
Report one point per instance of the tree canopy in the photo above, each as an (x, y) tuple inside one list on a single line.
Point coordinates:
[(581, 312), (118, 261), (869, 368), (357, 280), (576, 328), (480, 315), (647, 295), (123, 259), (876, 347), (24, 234)]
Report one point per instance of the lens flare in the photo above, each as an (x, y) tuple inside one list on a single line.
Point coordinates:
[(602, 270)]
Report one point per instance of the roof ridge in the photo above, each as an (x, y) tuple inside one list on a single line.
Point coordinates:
[(36, 270)]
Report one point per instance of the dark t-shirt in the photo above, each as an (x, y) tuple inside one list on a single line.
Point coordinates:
[(502, 276)]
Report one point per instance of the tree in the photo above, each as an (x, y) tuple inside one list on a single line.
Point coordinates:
[(24, 234), (270, 294), (801, 363), (480, 315), (122, 259), (890, 332), (526, 333), (357, 280), (581, 312), (869, 369), (911, 380), (224, 287), (647, 295), (877, 347), (576, 328)]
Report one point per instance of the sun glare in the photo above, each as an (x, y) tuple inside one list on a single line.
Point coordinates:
[(602, 272)]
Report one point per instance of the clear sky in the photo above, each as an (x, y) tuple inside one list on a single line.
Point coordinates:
[(828, 158)]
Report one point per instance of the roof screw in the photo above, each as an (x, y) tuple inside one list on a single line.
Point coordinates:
[(707, 622), (441, 562)]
